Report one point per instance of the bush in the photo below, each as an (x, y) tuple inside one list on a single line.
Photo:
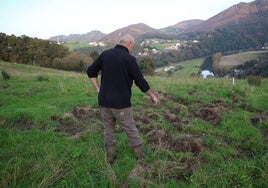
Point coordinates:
[(147, 66), (73, 62), (254, 80), (5, 75), (41, 78)]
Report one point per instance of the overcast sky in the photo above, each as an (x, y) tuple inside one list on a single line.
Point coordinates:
[(47, 18)]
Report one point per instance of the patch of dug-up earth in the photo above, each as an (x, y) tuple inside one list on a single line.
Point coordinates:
[(210, 113), (76, 122), (162, 140)]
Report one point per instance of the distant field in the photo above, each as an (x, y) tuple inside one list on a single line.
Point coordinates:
[(240, 58), (73, 46), (184, 69)]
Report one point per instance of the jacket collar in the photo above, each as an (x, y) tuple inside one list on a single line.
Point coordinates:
[(121, 47)]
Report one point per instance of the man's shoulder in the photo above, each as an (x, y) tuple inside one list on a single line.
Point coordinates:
[(108, 50)]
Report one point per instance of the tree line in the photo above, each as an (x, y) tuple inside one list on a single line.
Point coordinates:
[(44, 53)]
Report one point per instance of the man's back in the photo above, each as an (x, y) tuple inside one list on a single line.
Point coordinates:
[(119, 69)]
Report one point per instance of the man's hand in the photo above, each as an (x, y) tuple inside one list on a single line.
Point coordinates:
[(153, 97), (155, 100), (95, 83)]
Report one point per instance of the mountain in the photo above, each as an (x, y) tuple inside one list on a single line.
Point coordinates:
[(79, 38), (249, 19), (181, 26), (242, 12), (136, 30)]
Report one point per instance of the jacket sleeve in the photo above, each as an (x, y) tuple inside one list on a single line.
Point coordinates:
[(94, 68), (138, 76)]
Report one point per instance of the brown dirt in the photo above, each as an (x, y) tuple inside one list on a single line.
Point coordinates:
[(185, 144), (161, 171), (24, 123), (4, 86), (210, 112), (241, 103), (77, 120), (261, 119), (160, 139), (173, 118), (256, 120)]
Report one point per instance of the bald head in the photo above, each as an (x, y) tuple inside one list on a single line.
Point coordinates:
[(126, 38), (128, 41)]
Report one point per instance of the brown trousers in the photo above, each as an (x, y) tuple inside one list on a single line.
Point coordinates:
[(125, 118)]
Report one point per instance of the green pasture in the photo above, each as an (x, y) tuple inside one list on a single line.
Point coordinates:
[(214, 134), (183, 69), (247, 56), (73, 46)]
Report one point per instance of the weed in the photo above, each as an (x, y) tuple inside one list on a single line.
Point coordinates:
[(254, 80), (5, 75), (41, 78)]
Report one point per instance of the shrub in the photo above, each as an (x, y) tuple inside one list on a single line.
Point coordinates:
[(254, 80), (73, 62), (147, 66), (5, 75), (41, 78)]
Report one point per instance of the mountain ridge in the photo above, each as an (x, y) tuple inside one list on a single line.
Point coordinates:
[(234, 15)]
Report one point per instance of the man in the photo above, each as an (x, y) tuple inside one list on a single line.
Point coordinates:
[(118, 71)]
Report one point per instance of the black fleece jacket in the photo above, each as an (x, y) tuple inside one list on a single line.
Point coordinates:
[(118, 71)]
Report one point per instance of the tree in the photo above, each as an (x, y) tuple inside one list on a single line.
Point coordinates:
[(31, 51), (73, 62), (147, 65), (94, 54)]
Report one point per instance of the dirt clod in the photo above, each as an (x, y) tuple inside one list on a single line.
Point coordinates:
[(77, 120)]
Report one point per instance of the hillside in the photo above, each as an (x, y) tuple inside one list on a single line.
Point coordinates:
[(199, 136), (136, 30), (242, 13), (79, 38), (242, 27), (181, 27), (239, 58)]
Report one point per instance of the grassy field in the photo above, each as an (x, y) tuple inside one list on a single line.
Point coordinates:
[(183, 69), (240, 58), (73, 46), (205, 132)]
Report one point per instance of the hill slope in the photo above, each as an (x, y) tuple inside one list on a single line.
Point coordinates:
[(242, 12), (55, 138), (136, 30), (240, 27), (79, 38)]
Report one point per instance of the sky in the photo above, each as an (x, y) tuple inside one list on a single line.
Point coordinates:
[(46, 18)]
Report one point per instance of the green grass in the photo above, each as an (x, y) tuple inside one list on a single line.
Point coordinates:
[(215, 134), (249, 56), (161, 44), (184, 69), (189, 67), (73, 46)]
